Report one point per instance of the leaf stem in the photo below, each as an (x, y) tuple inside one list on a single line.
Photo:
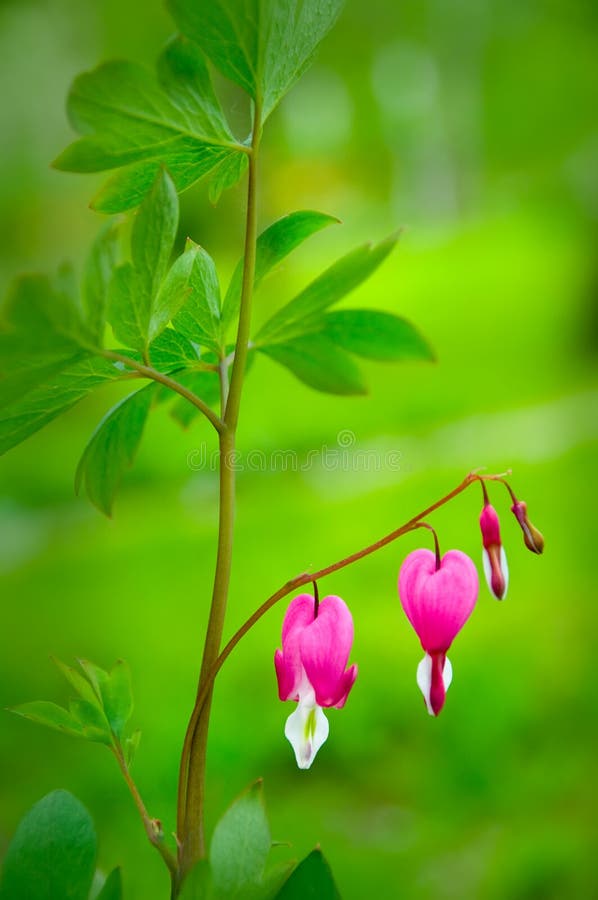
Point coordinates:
[(191, 795), (154, 375)]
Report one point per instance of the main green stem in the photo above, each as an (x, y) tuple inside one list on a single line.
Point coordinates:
[(191, 802)]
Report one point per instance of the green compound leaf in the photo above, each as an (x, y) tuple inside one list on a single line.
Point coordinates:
[(112, 888), (56, 395), (262, 45), (199, 318), (136, 121), (52, 854), (240, 846), (138, 310), (311, 880), (372, 334), (112, 449), (273, 245), (42, 712), (335, 283), (319, 363)]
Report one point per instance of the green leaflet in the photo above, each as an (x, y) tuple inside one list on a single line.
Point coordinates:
[(273, 245), (138, 310), (311, 879), (335, 283), (199, 318), (371, 334), (52, 854), (112, 888), (240, 846), (319, 363), (262, 45), (135, 121), (58, 393), (112, 448)]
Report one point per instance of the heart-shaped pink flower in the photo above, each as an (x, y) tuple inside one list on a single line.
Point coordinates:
[(311, 668), (438, 601)]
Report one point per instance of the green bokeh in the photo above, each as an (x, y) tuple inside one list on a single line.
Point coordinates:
[(473, 124)]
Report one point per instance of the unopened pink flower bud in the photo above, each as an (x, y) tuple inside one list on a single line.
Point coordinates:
[(533, 538), (494, 558)]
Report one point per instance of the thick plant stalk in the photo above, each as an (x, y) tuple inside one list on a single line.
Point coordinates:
[(191, 800)]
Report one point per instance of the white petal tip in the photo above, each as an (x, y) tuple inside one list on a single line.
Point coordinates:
[(306, 730)]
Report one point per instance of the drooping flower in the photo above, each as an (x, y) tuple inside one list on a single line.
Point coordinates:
[(316, 642), (533, 538), (438, 596), (494, 558)]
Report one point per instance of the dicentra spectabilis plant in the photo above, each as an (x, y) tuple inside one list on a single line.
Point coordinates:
[(138, 314)]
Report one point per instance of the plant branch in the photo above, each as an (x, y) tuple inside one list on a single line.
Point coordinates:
[(307, 577), (191, 792), (154, 375), (153, 827)]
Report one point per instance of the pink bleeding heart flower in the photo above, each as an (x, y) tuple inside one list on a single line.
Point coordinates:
[(438, 601), (494, 558), (310, 669)]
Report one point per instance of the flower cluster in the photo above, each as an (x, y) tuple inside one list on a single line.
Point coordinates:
[(438, 594)]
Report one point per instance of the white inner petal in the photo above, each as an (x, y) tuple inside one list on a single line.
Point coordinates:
[(306, 730), (424, 678), (505, 569)]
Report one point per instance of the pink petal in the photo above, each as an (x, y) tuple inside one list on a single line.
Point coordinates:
[(346, 683), (289, 668), (438, 603), (325, 646)]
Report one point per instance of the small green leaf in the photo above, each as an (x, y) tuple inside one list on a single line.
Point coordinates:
[(97, 275), (112, 448), (273, 881), (198, 883), (51, 715), (335, 283), (112, 888), (171, 351), (319, 363), (372, 334), (240, 846), (262, 45), (92, 720), (134, 312), (52, 855), (311, 880), (199, 318), (135, 122), (273, 245), (152, 239), (113, 690), (77, 681), (118, 698), (57, 394)]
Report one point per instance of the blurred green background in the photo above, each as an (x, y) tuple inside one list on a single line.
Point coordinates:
[(473, 125)]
